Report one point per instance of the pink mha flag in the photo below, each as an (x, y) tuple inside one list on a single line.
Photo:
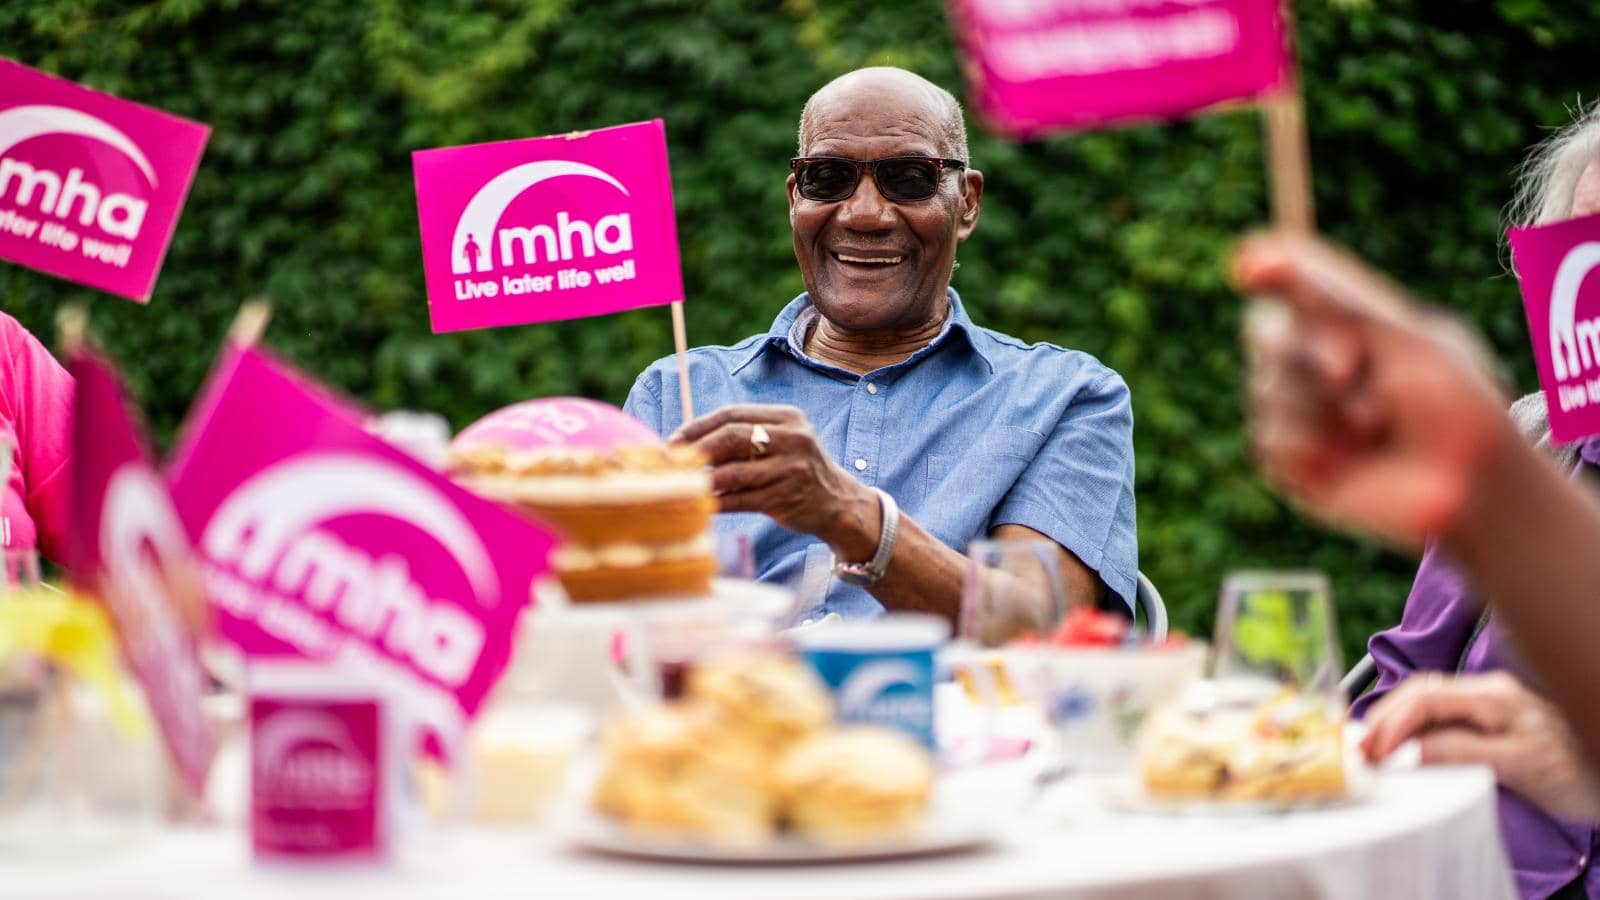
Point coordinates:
[(130, 549), (1558, 268), (90, 185), (548, 228), (1041, 65), (322, 541)]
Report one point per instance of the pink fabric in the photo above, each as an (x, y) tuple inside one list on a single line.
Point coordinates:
[(36, 419)]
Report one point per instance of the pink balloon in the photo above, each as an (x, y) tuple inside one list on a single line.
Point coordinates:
[(556, 422)]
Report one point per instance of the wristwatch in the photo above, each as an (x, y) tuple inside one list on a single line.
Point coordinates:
[(871, 572)]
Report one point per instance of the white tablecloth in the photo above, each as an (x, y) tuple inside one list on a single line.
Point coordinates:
[(1421, 834)]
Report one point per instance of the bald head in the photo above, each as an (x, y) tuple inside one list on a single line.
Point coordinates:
[(897, 87)]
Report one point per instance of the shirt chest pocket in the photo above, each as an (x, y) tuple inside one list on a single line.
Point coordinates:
[(967, 481)]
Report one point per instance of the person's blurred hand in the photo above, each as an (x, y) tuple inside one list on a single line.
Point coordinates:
[(1369, 410), (1489, 719)]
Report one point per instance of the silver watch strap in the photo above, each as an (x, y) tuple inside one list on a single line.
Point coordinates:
[(886, 536), (872, 571)]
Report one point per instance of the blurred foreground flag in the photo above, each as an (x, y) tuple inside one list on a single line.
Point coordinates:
[(548, 228), (1558, 269), (90, 185), (1036, 66), (129, 549), (321, 540)]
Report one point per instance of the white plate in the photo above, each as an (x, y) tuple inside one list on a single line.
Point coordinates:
[(964, 815), (1127, 793)]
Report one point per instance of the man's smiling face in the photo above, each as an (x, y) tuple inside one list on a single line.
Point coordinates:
[(871, 264)]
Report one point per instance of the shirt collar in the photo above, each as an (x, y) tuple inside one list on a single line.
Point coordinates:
[(783, 334)]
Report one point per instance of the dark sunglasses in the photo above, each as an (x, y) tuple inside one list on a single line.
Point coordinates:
[(900, 179)]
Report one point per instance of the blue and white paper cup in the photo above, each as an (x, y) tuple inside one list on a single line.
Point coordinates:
[(880, 671)]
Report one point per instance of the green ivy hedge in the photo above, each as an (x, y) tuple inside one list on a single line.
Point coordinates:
[(1109, 242)]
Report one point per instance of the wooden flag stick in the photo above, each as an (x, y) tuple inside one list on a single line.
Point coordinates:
[(1288, 160), (250, 322), (680, 340)]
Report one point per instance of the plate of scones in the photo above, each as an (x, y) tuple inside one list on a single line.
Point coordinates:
[(749, 766)]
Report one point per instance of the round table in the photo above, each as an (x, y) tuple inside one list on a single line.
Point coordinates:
[(1421, 833)]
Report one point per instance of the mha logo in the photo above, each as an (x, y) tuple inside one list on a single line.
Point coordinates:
[(145, 557), (480, 245), (1574, 344), (68, 197), (890, 692), (308, 760), (277, 562)]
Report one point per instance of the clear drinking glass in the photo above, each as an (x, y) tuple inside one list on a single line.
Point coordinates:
[(1012, 588), (1277, 629), (21, 570), (74, 779)]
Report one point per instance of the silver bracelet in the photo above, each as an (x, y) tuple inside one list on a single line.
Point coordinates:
[(871, 572)]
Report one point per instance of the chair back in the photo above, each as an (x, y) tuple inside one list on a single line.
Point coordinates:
[(1359, 678), (1148, 601)]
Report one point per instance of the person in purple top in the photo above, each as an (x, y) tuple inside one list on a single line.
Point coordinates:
[(1445, 629)]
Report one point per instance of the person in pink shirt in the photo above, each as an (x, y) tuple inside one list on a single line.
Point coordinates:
[(36, 421)]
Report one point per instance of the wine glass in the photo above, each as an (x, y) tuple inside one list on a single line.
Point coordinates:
[(1277, 630), (80, 768), (1012, 588)]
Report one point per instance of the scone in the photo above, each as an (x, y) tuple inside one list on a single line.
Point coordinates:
[(855, 784), (768, 700), (671, 771)]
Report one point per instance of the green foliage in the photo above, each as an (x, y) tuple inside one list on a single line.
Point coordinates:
[(1283, 634), (1109, 242)]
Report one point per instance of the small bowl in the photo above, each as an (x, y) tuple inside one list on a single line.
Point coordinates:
[(1094, 698)]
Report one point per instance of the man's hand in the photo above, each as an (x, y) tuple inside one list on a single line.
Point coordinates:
[(1489, 719), (1371, 411), (794, 481)]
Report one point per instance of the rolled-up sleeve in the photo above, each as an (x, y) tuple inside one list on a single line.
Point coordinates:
[(1078, 490), (1439, 618), (644, 403)]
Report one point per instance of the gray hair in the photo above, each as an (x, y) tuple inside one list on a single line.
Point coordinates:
[(952, 131), (1547, 178)]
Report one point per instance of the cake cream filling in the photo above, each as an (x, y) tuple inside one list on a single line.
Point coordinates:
[(585, 558), (612, 487)]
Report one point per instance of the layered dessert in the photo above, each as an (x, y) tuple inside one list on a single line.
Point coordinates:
[(1283, 750), (635, 519)]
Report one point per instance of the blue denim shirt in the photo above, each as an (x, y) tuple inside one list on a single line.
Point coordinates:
[(973, 431)]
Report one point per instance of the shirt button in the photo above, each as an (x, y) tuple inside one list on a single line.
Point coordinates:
[(872, 388), (861, 465)]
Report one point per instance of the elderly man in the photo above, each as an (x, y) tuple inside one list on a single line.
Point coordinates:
[(874, 431)]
